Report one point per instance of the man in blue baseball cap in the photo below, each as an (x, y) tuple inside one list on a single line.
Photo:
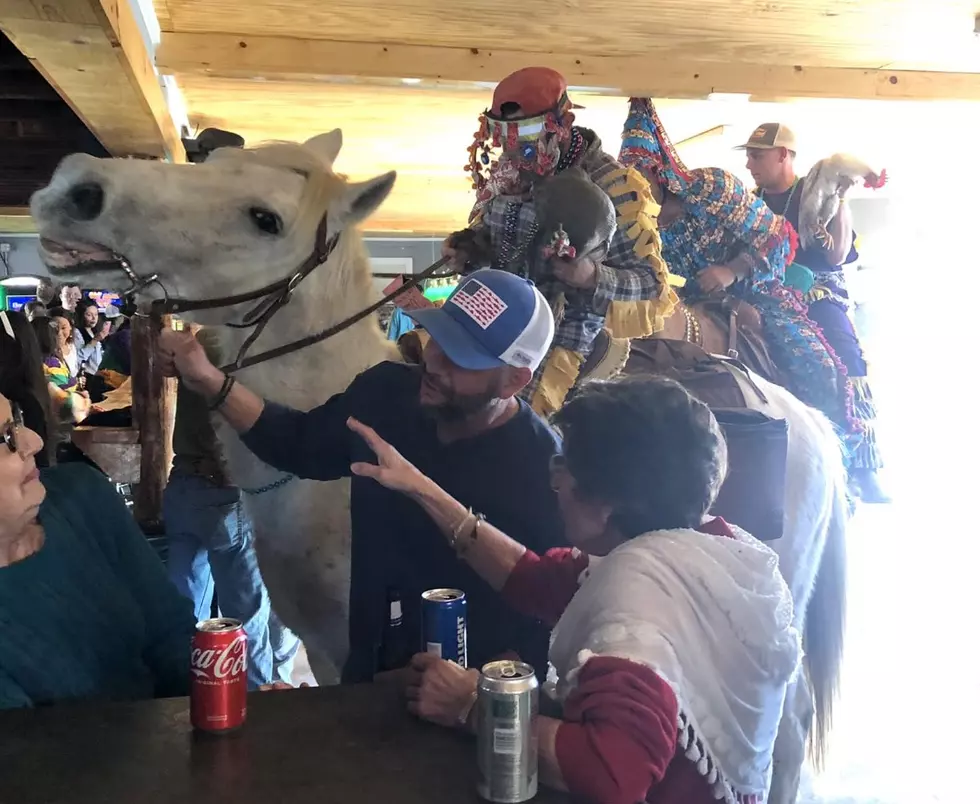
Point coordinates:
[(459, 419), (487, 340)]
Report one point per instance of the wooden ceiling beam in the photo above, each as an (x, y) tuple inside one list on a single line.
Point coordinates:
[(92, 53), (238, 56)]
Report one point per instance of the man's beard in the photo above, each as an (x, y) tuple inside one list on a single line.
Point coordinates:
[(459, 407)]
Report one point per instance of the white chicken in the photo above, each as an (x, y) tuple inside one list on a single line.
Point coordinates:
[(825, 186)]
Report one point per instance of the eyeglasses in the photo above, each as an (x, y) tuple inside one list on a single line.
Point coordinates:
[(11, 427)]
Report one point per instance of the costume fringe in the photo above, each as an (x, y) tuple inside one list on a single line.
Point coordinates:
[(863, 445), (697, 752), (637, 215), (561, 369)]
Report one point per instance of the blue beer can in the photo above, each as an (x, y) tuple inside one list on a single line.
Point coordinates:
[(444, 624)]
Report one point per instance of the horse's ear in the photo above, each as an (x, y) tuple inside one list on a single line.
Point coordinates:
[(363, 197), (327, 146)]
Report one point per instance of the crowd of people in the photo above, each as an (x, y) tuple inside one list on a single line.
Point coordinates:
[(583, 540), (84, 353)]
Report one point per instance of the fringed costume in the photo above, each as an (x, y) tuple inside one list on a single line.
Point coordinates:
[(632, 294), (723, 220)]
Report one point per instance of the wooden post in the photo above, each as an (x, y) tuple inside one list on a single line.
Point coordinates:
[(154, 405)]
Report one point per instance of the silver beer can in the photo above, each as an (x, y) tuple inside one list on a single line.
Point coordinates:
[(507, 737)]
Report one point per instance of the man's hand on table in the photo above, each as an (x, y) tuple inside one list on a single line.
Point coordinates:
[(280, 685), (440, 691)]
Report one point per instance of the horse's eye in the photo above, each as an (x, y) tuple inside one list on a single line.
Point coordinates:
[(266, 220)]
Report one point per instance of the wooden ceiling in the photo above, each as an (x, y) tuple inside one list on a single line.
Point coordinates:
[(37, 129), (290, 68), (900, 34), (406, 80)]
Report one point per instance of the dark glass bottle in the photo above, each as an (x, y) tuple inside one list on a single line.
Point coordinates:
[(394, 652)]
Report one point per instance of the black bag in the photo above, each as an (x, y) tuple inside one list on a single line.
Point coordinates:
[(754, 490), (753, 494)]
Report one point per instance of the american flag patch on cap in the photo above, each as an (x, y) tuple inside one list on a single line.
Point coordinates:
[(478, 302)]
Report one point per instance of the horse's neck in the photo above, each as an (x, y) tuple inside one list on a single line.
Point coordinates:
[(333, 292)]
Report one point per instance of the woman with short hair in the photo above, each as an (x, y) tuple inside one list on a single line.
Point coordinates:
[(673, 651), (86, 606)]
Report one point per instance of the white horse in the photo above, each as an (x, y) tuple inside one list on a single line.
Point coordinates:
[(812, 558), (238, 222), (246, 218)]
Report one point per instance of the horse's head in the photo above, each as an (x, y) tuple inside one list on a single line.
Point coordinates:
[(575, 217), (237, 222)]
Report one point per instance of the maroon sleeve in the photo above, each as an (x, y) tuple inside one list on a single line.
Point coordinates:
[(542, 586), (619, 734)]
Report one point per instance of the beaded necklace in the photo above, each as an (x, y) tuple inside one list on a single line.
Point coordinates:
[(789, 198)]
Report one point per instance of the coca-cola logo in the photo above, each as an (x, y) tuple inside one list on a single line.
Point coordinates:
[(220, 664)]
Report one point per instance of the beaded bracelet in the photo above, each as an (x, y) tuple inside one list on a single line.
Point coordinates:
[(222, 395)]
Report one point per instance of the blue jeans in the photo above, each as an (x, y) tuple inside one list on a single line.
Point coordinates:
[(210, 544)]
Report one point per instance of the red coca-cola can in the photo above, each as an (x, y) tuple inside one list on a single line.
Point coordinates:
[(219, 660)]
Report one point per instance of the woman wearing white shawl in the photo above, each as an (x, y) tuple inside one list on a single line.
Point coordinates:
[(672, 653)]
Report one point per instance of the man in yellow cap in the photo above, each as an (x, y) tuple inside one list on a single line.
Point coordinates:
[(770, 158), (529, 130)]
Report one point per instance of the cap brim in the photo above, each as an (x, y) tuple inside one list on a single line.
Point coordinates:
[(459, 346), (756, 146)]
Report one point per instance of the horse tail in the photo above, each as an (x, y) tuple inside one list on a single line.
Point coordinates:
[(823, 632)]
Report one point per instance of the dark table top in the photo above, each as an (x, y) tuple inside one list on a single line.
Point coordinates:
[(328, 745)]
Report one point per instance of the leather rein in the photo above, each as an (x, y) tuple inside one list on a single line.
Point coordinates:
[(272, 298)]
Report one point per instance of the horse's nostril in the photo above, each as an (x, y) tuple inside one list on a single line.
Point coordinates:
[(85, 201)]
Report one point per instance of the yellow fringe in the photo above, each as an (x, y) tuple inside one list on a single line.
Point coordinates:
[(560, 373), (816, 293), (638, 217)]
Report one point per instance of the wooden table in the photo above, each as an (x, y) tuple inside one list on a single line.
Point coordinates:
[(331, 745)]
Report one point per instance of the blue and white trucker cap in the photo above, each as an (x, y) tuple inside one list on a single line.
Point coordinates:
[(492, 319)]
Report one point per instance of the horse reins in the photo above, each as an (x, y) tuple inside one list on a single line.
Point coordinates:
[(273, 297)]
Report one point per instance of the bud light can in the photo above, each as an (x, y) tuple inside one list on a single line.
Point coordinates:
[(444, 624), (219, 660)]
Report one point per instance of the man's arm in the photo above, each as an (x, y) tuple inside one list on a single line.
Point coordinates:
[(311, 444), (841, 228)]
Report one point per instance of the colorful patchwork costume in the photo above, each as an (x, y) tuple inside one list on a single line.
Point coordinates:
[(722, 219), (531, 122)]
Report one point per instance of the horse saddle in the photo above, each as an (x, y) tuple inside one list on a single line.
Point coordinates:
[(753, 493), (745, 339)]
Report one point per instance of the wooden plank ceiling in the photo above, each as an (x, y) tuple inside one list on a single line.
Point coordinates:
[(92, 52), (900, 34), (37, 128), (407, 80)]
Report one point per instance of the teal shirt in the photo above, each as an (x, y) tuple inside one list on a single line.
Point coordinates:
[(92, 614)]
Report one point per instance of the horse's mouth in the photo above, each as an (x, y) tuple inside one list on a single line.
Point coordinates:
[(74, 257)]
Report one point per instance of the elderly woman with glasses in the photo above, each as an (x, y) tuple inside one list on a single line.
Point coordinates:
[(673, 641), (86, 606)]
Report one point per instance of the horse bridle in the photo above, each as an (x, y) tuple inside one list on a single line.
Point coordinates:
[(272, 298)]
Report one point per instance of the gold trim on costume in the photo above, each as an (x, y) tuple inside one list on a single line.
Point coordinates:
[(560, 373), (638, 217)]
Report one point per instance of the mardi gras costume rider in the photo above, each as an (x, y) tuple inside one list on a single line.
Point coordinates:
[(721, 238), (627, 292)]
